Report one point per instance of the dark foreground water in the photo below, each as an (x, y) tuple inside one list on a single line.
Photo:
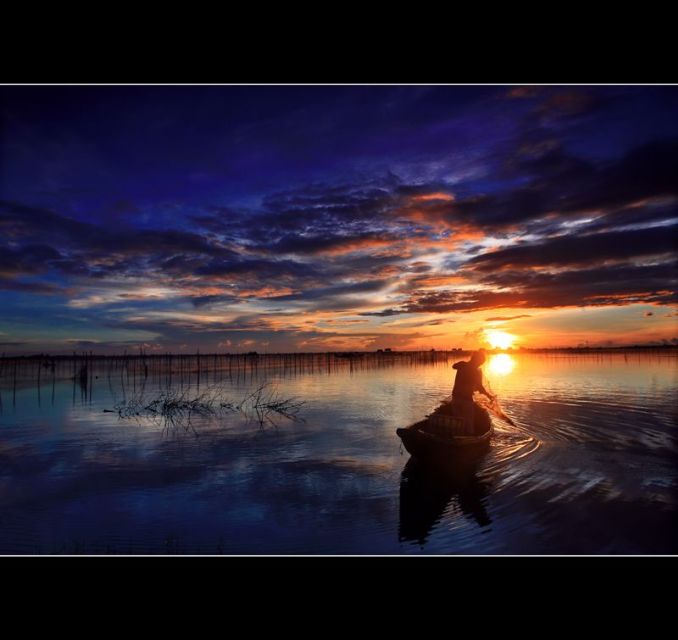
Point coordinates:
[(590, 468)]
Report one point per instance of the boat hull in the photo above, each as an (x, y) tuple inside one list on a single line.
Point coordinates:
[(423, 444)]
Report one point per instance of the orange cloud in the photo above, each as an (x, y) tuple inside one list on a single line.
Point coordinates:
[(437, 281), (356, 245), (265, 292), (438, 195)]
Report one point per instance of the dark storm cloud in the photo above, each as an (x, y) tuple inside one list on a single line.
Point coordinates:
[(181, 264), (624, 276), (317, 219), (373, 263), (40, 288), (650, 170), (580, 249), (613, 285), (654, 213), (321, 208), (99, 253), (18, 221), (163, 242), (313, 244), (29, 224), (28, 259), (83, 255), (651, 213), (262, 267), (326, 229), (601, 285), (385, 312), (344, 200), (560, 183), (448, 302), (207, 300), (335, 290)]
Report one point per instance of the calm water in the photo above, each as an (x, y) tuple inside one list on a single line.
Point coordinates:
[(590, 468)]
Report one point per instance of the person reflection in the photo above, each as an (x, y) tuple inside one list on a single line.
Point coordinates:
[(426, 491)]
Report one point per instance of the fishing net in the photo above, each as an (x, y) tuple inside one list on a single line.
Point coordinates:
[(492, 404)]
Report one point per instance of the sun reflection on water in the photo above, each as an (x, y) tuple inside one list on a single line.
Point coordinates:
[(501, 364)]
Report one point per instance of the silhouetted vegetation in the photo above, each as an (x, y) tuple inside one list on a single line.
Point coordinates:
[(177, 408)]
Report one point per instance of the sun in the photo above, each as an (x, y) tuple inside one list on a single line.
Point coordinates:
[(499, 339)]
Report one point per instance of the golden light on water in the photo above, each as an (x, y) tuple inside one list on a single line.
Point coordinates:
[(501, 364), (499, 339)]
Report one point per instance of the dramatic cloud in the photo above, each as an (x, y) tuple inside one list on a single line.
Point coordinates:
[(213, 216), (579, 249), (504, 318)]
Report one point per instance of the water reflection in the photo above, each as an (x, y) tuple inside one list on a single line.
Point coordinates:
[(428, 491), (589, 467), (501, 364)]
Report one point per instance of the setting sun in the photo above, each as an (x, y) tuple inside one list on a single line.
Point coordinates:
[(499, 339)]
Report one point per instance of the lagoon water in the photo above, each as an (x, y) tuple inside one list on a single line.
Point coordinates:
[(591, 466)]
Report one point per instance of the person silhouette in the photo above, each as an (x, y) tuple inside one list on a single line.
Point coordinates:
[(467, 381)]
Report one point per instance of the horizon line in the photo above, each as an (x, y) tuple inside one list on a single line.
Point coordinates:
[(389, 351)]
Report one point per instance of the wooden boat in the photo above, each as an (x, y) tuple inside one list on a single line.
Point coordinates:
[(422, 440)]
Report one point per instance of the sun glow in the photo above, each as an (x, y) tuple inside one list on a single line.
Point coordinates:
[(501, 364), (499, 339)]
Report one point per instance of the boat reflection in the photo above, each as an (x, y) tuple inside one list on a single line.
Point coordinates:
[(426, 491)]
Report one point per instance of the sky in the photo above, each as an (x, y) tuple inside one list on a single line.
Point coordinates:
[(316, 218)]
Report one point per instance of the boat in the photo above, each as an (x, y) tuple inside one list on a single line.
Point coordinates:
[(425, 439)]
